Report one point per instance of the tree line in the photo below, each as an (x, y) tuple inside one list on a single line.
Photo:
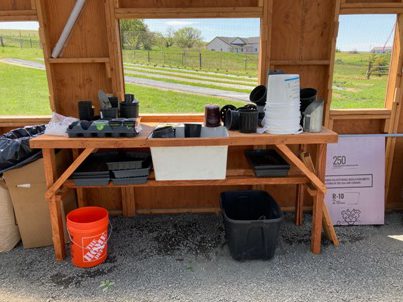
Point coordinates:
[(135, 34)]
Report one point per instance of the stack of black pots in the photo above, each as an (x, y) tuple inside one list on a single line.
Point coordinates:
[(129, 108), (246, 119)]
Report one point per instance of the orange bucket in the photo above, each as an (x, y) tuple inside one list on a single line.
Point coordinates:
[(88, 231)]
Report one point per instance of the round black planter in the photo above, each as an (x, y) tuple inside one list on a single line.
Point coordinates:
[(258, 95)]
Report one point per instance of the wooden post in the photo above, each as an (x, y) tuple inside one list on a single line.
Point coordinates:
[(54, 203), (128, 202), (318, 201), (200, 60), (79, 191)]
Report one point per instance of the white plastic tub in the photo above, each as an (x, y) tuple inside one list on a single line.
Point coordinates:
[(191, 163)]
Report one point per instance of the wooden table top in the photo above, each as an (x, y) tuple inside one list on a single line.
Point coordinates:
[(235, 138)]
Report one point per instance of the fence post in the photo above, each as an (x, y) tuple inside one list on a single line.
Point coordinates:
[(163, 58), (246, 61), (148, 56), (1, 41), (183, 58), (200, 60)]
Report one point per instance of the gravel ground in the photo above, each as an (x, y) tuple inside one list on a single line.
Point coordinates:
[(185, 258)]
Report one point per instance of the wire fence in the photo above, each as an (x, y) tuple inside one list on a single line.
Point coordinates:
[(21, 42), (203, 60)]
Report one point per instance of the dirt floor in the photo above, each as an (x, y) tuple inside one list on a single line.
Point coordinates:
[(185, 258)]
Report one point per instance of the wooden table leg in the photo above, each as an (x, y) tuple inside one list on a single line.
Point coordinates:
[(80, 192), (54, 203), (318, 201), (128, 202), (299, 205)]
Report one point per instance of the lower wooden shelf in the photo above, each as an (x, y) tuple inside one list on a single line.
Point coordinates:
[(229, 181)]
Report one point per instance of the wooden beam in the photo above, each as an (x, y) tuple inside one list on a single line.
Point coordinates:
[(318, 201), (45, 40), (77, 60), (80, 192), (300, 165), (67, 173), (371, 10), (128, 202), (354, 114), (332, 52), (229, 181), (18, 15), (300, 62), (265, 40), (115, 69), (189, 12), (54, 203)]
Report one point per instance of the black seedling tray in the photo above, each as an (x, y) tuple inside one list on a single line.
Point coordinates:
[(263, 159), (101, 128), (130, 160), (104, 175), (129, 180), (271, 173), (131, 173), (91, 181)]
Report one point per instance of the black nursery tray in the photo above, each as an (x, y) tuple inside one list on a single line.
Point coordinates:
[(101, 128), (267, 163)]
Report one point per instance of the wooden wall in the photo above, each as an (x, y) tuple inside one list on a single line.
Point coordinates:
[(298, 36)]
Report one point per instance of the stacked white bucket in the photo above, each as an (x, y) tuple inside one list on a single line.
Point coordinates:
[(282, 110)]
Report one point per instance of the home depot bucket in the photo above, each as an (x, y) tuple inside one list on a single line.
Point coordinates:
[(88, 230)]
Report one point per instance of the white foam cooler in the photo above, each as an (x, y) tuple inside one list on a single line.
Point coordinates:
[(191, 162)]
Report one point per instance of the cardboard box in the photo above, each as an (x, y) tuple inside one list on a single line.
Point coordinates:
[(27, 187), (9, 234)]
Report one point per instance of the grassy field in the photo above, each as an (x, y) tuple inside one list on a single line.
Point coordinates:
[(24, 91), (351, 88), (21, 98)]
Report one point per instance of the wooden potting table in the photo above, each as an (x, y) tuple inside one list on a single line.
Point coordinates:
[(301, 176)]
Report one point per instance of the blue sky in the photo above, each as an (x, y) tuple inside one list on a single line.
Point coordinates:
[(360, 32)]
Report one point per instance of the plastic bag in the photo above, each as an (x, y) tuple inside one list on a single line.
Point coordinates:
[(58, 124), (14, 147)]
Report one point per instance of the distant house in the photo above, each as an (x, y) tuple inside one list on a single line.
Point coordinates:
[(387, 49), (234, 44)]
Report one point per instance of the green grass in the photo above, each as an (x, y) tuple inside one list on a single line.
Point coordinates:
[(184, 82), (160, 101), (33, 54), (213, 74), (351, 88), (24, 91), (189, 77)]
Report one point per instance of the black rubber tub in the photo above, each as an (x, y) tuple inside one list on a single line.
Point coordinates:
[(252, 221)]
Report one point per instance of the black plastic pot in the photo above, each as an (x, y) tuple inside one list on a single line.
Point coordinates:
[(307, 96), (193, 130), (258, 95), (129, 110), (232, 120), (114, 101), (129, 98), (248, 120), (110, 113), (85, 110), (164, 132)]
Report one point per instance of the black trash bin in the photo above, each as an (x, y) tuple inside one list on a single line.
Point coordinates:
[(252, 222)]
